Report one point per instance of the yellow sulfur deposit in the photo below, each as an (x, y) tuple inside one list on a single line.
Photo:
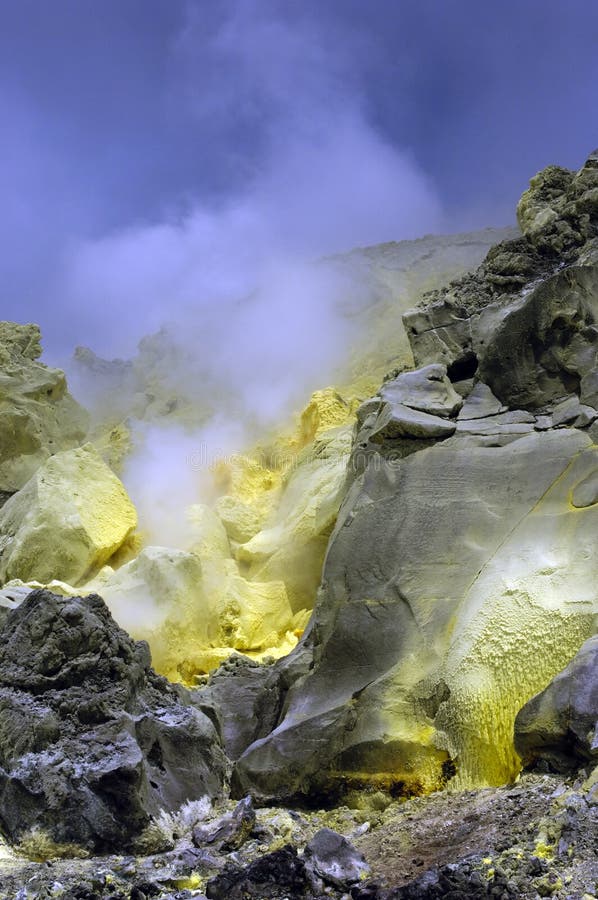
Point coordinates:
[(66, 522), (522, 621)]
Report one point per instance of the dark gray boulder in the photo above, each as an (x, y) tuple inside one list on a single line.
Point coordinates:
[(92, 741), (558, 728), (332, 858), (38, 416), (244, 697), (275, 876)]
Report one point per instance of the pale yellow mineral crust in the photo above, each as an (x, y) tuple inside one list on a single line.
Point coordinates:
[(66, 522)]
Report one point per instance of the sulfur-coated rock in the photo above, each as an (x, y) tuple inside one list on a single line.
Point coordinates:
[(38, 417), (66, 522), (92, 741), (157, 597), (185, 604), (444, 606), (291, 546), (208, 538), (458, 579), (240, 520), (559, 726)]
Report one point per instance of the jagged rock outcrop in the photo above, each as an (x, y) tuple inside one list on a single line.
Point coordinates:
[(92, 741), (66, 522), (559, 726), (533, 300), (458, 579), (38, 417)]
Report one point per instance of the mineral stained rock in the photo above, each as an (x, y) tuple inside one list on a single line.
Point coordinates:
[(66, 522), (291, 547), (459, 578), (559, 726), (189, 604), (92, 741), (38, 417)]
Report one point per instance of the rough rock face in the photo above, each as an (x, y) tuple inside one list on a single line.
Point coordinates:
[(38, 417), (245, 698), (92, 741), (66, 522), (559, 726), (459, 577)]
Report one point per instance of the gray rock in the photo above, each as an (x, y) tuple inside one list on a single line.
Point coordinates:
[(399, 421), (566, 411), (480, 404), (559, 726), (525, 320), (245, 697), (513, 422), (275, 876), (419, 542), (586, 492), (231, 831), (333, 859), (427, 389), (92, 741), (587, 415)]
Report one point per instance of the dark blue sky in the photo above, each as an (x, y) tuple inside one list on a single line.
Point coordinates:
[(326, 122)]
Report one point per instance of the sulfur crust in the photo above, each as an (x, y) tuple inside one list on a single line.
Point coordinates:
[(521, 623)]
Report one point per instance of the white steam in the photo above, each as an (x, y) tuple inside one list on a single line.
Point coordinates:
[(259, 325)]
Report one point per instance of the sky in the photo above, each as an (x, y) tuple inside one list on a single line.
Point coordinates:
[(166, 156)]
